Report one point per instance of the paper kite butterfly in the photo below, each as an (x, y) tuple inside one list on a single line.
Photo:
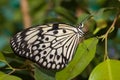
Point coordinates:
[(51, 46)]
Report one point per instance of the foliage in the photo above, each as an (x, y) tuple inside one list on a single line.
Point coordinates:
[(107, 70), (104, 24)]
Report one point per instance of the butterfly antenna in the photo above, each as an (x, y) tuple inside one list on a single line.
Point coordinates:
[(86, 18)]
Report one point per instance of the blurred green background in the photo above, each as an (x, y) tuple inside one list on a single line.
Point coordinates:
[(67, 11)]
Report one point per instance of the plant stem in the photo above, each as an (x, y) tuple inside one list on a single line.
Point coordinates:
[(13, 70), (112, 26), (10, 67), (105, 36), (106, 52)]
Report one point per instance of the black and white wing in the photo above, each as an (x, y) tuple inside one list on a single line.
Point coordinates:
[(51, 46)]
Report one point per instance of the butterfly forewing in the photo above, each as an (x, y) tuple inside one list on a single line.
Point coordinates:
[(51, 46)]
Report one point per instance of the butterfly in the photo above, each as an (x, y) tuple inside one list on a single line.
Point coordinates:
[(51, 46)]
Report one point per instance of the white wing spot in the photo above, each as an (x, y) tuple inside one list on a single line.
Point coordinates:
[(31, 55), (49, 64), (37, 58), (14, 45), (23, 53), (36, 52), (19, 39), (18, 34), (37, 42), (34, 47), (39, 38), (53, 66), (27, 54), (58, 66), (44, 63), (20, 52), (15, 48), (41, 60), (62, 65)]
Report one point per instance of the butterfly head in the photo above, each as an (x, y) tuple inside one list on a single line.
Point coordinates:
[(80, 29), (81, 25)]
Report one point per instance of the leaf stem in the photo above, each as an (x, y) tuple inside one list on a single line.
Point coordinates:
[(10, 67), (106, 52), (105, 36), (15, 69)]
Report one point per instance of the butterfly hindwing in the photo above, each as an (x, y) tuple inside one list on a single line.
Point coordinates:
[(51, 46)]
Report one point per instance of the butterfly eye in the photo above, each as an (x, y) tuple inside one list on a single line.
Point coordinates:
[(81, 25), (51, 46)]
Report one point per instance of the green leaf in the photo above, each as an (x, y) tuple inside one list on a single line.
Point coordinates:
[(39, 75), (107, 70), (4, 76), (2, 57), (84, 54), (1, 74)]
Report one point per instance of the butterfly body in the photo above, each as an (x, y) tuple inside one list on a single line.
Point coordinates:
[(51, 46)]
